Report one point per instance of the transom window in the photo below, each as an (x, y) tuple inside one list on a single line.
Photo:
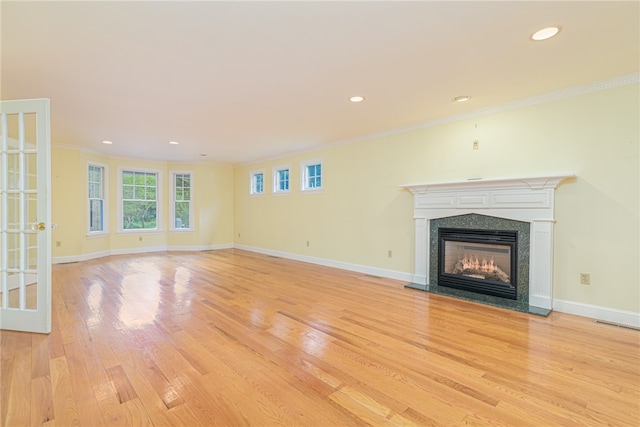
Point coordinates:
[(311, 175), (257, 182), (139, 196), (281, 179), (96, 180), (181, 196)]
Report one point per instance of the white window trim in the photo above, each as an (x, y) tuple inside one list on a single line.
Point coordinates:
[(105, 198), (276, 169), (303, 176), (172, 197), (159, 208), (252, 173)]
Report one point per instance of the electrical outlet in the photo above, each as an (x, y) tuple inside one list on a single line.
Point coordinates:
[(476, 145), (58, 243), (585, 279), (140, 239), (307, 243), (389, 254)]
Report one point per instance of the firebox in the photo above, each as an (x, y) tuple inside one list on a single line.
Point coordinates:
[(481, 261)]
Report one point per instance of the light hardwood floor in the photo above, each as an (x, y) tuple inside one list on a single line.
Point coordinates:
[(233, 338)]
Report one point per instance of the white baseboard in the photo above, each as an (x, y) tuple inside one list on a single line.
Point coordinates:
[(570, 307), (128, 251), (373, 271), (597, 312), (77, 258)]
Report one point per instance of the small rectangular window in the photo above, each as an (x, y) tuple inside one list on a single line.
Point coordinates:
[(311, 175), (181, 197), (281, 179), (96, 183), (257, 182)]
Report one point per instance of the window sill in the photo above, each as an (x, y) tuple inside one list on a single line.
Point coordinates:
[(97, 234), (181, 230), (155, 231), (312, 190)]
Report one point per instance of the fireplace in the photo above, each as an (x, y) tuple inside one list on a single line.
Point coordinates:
[(529, 201), (482, 261)]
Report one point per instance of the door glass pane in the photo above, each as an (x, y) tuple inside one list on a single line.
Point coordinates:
[(31, 215), (13, 177), (13, 245), (30, 130), (31, 172), (32, 251), (13, 285), (13, 215), (31, 291), (12, 127)]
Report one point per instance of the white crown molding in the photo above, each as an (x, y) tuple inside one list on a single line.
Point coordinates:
[(160, 162), (624, 80)]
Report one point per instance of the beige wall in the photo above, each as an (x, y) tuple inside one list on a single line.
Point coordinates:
[(362, 214), (212, 203)]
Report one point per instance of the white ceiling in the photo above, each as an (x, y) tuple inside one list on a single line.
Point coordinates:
[(243, 81)]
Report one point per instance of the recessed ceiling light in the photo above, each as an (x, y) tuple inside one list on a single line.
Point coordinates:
[(356, 99), (107, 142), (174, 142), (545, 33), (462, 98)]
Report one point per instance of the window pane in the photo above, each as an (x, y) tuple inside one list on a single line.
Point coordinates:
[(127, 177), (127, 192), (138, 193), (138, 215), (138, 178), (95, 215), (283, 180), (150, 194), (182, 214), (257, 183), (313, 176)]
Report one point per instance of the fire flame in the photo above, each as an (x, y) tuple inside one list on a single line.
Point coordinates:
[(473, 263)]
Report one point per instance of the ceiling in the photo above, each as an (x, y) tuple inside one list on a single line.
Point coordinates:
[(235, 82)]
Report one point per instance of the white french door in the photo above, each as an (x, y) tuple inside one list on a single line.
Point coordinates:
[(25, 216)]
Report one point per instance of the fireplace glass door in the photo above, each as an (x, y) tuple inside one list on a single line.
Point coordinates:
[(482, 261)]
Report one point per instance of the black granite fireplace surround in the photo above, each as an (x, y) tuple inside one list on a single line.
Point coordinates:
[(482, 261), (484, 222)]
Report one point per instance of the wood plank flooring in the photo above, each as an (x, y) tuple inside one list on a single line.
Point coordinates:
[(234, 338)]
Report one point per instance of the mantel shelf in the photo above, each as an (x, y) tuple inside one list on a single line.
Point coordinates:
[(535, 182)]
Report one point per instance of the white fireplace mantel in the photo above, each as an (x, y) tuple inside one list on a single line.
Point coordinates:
[(529, 199)]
